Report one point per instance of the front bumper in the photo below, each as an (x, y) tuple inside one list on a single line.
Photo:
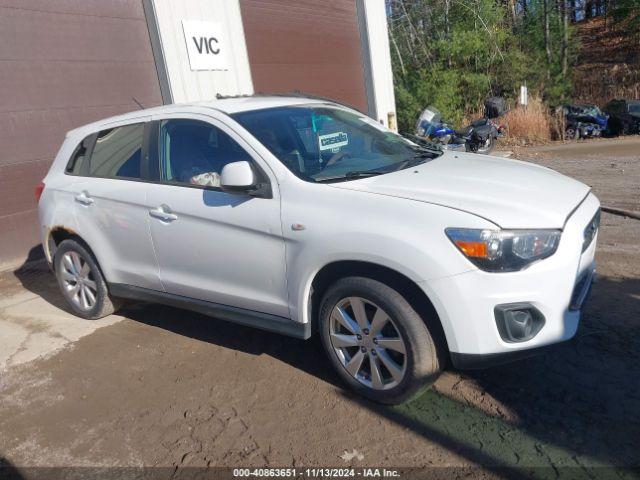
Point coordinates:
[(557, 286)]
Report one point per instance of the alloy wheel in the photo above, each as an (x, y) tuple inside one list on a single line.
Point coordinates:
[(368, 343), (78, 282)]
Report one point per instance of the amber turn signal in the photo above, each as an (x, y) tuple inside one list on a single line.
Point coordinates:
[(473, 249)]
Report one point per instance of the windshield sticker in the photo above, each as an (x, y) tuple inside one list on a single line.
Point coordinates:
[(333, 141)]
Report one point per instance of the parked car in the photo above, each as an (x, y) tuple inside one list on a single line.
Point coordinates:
[(584, 121), (624, 116), (301, 216)]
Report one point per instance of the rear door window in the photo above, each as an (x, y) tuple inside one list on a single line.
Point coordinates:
[(117, 153)]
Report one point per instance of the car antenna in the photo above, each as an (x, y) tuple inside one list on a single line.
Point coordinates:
[(139, 104)]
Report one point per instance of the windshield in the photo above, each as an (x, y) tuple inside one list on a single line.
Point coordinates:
[(324, 144), (430, 120), (634, 107)]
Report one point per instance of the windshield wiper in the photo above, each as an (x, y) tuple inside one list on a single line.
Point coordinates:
[(364, 173), (353, 175), (421, 156)]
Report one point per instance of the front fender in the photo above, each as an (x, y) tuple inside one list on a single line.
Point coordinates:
[(305, 267), (333, 225)]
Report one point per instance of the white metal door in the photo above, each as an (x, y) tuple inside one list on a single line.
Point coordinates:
[(112, 216), (220, 247)]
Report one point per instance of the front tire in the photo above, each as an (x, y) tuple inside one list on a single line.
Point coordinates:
[(81, 282), (376, 341)]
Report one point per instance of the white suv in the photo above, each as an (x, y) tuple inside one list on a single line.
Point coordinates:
[(299, 215)]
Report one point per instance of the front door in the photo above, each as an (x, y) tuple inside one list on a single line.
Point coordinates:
[(212, 245)]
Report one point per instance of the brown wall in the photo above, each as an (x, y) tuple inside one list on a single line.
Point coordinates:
[(63, 63), (307, 45)]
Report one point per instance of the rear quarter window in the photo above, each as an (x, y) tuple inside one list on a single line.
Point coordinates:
[(79, 157)]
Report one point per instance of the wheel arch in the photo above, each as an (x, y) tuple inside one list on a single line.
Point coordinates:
[(407, 287), (59, 234), (53, 238)]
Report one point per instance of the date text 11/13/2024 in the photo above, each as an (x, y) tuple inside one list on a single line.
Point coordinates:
[(316, 472)]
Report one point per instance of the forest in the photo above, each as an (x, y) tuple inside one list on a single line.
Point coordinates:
[(453, 54)]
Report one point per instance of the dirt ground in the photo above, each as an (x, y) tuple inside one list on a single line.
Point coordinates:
[(610, 166), (164, 387)]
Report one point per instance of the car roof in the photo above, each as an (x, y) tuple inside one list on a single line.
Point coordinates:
[(228, 105)]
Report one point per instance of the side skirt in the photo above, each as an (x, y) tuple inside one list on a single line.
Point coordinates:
[(250, 318)]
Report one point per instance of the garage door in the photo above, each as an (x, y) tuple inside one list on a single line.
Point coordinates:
[(308, 45), (62, 64)]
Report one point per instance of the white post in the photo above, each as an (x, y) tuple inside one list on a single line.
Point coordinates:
[(524, 96), (377, 62)]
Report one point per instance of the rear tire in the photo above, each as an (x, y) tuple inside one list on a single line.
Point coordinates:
[(81, 282), (482, 149), (488, 147), (376, 342)]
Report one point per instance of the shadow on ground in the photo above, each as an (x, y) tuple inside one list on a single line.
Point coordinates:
[(577, 406), (8, 471)]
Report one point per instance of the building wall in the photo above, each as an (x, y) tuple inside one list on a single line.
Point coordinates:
[(65, 63), (307, 45), (62, 64)]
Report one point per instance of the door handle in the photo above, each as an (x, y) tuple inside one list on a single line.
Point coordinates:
[(163, 213), (84, 199)]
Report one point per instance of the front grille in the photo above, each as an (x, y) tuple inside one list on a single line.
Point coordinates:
[(590, 230)]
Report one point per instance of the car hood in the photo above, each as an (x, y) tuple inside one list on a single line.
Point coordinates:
[(509, 193)]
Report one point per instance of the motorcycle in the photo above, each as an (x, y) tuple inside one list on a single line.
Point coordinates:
[(479, 137)]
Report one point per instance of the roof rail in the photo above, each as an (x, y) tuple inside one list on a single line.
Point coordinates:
[(295, 93)]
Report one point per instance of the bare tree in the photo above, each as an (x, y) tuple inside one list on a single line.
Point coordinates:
[(565, 37), (547, 34)]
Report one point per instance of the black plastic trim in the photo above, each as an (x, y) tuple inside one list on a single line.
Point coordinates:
[(501, 321), (479, 361), (582, 291), (250, 318)]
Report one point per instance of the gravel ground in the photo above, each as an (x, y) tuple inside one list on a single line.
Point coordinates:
[(610, 166), (165, 387)]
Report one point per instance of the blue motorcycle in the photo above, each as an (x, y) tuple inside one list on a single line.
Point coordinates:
[(479, 137)]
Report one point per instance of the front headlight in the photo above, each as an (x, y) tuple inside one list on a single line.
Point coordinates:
[(504, 250)]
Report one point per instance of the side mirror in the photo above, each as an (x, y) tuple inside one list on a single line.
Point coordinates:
[(237, 177)]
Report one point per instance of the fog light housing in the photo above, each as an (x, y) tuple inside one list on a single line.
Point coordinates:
[(518, 322)]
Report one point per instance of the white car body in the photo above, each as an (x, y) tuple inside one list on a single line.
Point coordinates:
[(259, 255)]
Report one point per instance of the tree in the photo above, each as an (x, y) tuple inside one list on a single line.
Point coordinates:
[(454, 53)]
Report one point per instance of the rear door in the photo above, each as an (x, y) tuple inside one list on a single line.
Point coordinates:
[(110, 201), (212, 245)]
